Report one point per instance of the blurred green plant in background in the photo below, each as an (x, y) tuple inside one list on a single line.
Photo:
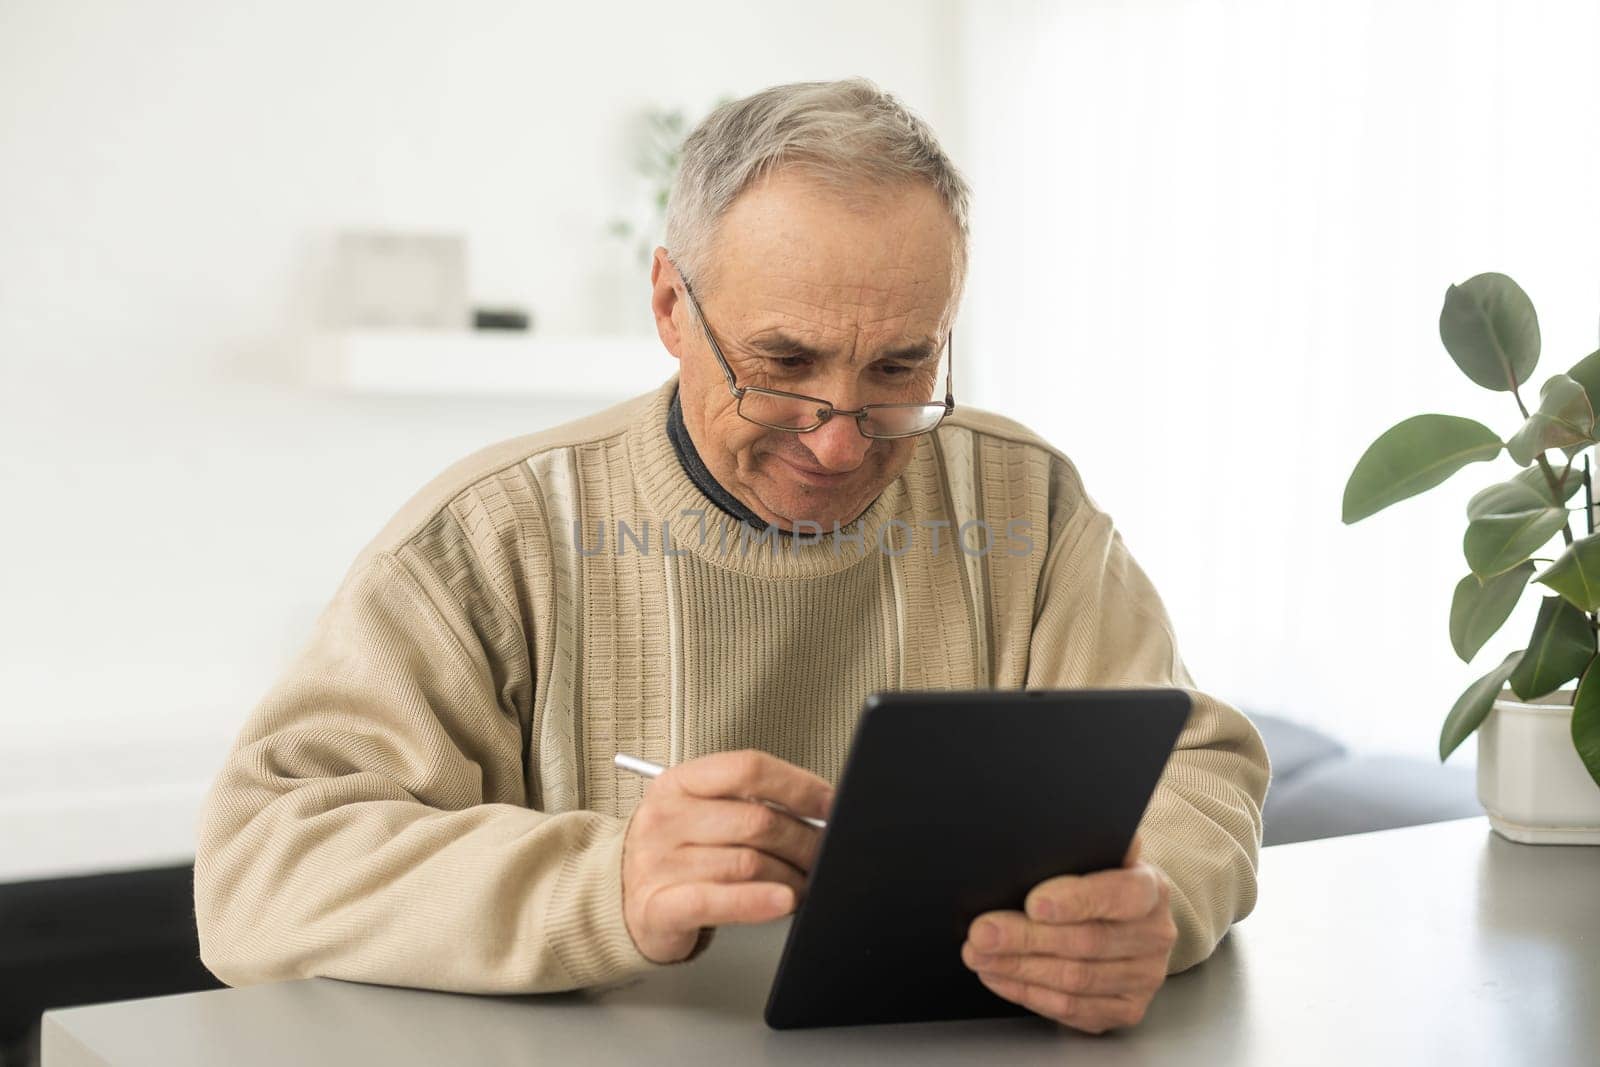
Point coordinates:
[(657, 136)]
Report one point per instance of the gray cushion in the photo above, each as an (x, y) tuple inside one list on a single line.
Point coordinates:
[(1294, 747), (1356, 794), (1320, 790)]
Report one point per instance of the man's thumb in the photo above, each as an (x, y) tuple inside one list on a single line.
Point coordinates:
[(1134, 848)]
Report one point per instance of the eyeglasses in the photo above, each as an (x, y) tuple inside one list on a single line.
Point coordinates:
[(798, 413)]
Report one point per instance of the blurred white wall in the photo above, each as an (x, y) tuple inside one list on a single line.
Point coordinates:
[(1213, 238), (176, 509), (172, 167)]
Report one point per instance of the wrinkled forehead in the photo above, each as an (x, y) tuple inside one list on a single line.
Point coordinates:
[(881, 259)]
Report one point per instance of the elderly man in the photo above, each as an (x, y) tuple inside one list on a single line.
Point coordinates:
[(712, 576)]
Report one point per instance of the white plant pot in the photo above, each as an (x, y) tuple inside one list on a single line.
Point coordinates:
[(1531, 782)]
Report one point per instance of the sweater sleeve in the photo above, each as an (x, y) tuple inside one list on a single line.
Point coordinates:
[(371, 822), (1099, 622)]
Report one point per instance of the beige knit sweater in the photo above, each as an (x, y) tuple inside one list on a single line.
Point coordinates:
[(427, 797)]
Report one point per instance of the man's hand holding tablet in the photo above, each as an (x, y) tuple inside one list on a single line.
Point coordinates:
[(1088, 951), (734, 838)]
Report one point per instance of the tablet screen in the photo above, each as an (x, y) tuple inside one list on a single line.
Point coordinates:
[(952, 804)]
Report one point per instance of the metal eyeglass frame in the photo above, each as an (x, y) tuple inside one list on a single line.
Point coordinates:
[(825, 409)]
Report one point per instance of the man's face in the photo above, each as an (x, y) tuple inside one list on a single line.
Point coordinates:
[(843, 298)]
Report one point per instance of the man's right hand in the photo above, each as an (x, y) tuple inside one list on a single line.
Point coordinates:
[(701, 851)]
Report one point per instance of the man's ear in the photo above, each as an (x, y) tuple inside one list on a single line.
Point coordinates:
[(664, 301)]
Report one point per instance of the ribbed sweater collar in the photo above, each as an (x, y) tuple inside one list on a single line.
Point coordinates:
[(699, 525)]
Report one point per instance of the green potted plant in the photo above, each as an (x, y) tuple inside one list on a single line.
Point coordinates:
[(1538, 741)]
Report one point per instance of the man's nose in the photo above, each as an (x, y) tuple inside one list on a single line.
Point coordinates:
[(837, 445)]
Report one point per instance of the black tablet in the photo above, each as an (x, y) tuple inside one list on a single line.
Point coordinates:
[(953, 804)]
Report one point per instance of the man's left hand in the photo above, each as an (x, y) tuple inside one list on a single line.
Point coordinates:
[(1088, 951)]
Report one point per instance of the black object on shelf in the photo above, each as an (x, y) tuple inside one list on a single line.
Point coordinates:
[(501, 319)]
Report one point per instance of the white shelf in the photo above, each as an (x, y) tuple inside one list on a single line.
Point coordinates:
[(489, 362)]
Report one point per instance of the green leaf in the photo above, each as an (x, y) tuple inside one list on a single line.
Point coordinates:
[(1414, 456), (1496, 543), (1489, 327), (1569, 481), (1586, 721), (1473, 705), (1564, 419), (1541, 433), (1576, 573), (1586, 372), (1479, 608), (1561, 647), (1527, 490), (1564, 399)]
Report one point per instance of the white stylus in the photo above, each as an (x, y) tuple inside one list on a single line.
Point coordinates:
[(651, 770)]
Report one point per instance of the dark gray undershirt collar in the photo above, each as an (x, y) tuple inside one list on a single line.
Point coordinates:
[(698, 473)]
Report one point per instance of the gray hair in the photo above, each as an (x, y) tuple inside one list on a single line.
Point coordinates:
[(846, 133)]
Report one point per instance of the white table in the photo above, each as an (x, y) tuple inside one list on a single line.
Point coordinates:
[(1433, 944)]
